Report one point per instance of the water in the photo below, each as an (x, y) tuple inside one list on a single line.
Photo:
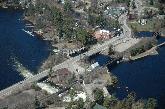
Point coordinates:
[(101, 59), (146, 76), (144, 34), (16, 44)]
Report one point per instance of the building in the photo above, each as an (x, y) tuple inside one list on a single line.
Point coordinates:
[(143, 21), (48, 88), (115, 10), (102, 34)]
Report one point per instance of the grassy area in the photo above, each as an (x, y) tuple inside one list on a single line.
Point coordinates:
[(150, 26)]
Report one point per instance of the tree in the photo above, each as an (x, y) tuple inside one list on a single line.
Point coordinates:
[(50, 72), (106, 102), (37, 103), (79, 104), (123, 1), (56, 16), (98, 96), (82, 35), (114, 80), (133, 4), (4, 107), (68, 27), (68, 7), (151, 2), (72, 93), (110, 102), (151, 104), (111, 51), (161, 10), (35, 87)]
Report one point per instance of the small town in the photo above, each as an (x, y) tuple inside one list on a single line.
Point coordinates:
[(87, 39)]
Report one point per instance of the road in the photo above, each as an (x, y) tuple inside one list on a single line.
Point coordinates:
[(128, 41), (68, 63), (123, 21)]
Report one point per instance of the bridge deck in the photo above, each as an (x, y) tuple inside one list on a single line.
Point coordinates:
[(16, 87)]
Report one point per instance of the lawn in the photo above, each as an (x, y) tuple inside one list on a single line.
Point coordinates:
[(150, 26)]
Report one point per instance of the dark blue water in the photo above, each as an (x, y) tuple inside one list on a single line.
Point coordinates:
[(101, 59), (146, 77), (144, 34), (15, 43)]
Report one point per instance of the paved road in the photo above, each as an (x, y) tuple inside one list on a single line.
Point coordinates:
[(123, 21), (97, 48)]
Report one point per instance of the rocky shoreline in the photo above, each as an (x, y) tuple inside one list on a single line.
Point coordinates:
[(38, 32), (10, 6)]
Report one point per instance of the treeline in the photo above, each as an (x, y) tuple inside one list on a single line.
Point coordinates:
[(141, 49), (122, 1), (107, 102), (62, 19), (129, 102), (11, 3), (66, 23), (102, 22)]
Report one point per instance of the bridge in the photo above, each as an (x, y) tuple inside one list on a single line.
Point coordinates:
[(20, 85), (95, 49)]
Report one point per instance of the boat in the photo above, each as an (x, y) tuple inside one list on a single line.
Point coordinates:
[(28, 32)]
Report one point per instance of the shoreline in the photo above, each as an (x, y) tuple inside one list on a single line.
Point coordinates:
[(38, 32), (24, 72), (11, 7), (27, 20)]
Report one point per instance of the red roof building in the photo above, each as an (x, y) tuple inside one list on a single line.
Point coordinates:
[(102, 34)]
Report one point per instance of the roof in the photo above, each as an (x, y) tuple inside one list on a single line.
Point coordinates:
[(97, 106), (102, 34), (47, 88)]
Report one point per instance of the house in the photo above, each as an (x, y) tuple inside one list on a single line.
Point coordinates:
[(76, 97), (102, 34), (143, 21), (48, 88), (115, 10)]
